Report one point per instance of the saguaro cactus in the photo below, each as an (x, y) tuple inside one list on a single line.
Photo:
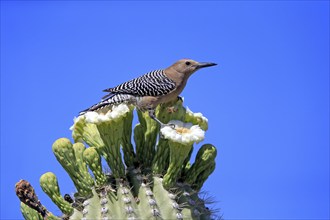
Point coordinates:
[(153, 180)]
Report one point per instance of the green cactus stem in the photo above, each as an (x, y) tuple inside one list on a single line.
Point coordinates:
[(161, 159), (111, 135), (86, 132), (204, 163), (29, 213), (198, 184), (145, 136), (93, 159), (72, 163), (128, 149), (49, 185), (178, 154), (153, 180)]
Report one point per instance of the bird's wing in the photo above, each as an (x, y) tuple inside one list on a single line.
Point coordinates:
[(154, 83)]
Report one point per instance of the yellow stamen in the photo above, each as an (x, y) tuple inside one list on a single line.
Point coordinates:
[(182, 130)]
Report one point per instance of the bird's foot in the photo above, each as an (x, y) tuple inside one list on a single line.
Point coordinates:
[(170, 125)]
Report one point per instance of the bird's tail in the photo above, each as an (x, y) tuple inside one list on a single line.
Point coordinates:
[(113, 100)]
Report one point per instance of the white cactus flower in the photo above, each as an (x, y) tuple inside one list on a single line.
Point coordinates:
[(115, 113), (184, 133), (196, 115)]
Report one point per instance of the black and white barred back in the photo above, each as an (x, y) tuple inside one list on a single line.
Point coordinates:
[(154, 83), (112, 100)]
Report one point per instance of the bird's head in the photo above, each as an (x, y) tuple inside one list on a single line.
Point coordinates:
[(188, 66)]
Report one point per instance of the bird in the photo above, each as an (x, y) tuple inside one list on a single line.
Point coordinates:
[(151, 89)]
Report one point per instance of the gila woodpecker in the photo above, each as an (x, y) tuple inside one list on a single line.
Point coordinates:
[(151, 89)]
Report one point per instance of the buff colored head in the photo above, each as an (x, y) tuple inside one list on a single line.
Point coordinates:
[(188, 66)]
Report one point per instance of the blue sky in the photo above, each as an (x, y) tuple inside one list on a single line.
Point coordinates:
[(267, 101)]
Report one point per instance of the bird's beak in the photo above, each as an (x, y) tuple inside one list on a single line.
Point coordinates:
[(205, 64)]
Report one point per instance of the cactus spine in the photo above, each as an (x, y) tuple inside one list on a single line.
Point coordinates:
[(154, 181)]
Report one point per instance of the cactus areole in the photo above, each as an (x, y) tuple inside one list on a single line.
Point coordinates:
[(152, 179)]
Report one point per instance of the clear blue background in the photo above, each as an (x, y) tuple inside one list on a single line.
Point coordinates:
[(267, 101)]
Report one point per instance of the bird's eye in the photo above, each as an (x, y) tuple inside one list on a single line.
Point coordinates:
[(187, 63)]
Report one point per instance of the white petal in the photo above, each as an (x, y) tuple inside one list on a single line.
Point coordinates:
[(114, 113), (91, 117)]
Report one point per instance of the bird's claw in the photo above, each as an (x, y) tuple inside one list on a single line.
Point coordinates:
[(170, 125)]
